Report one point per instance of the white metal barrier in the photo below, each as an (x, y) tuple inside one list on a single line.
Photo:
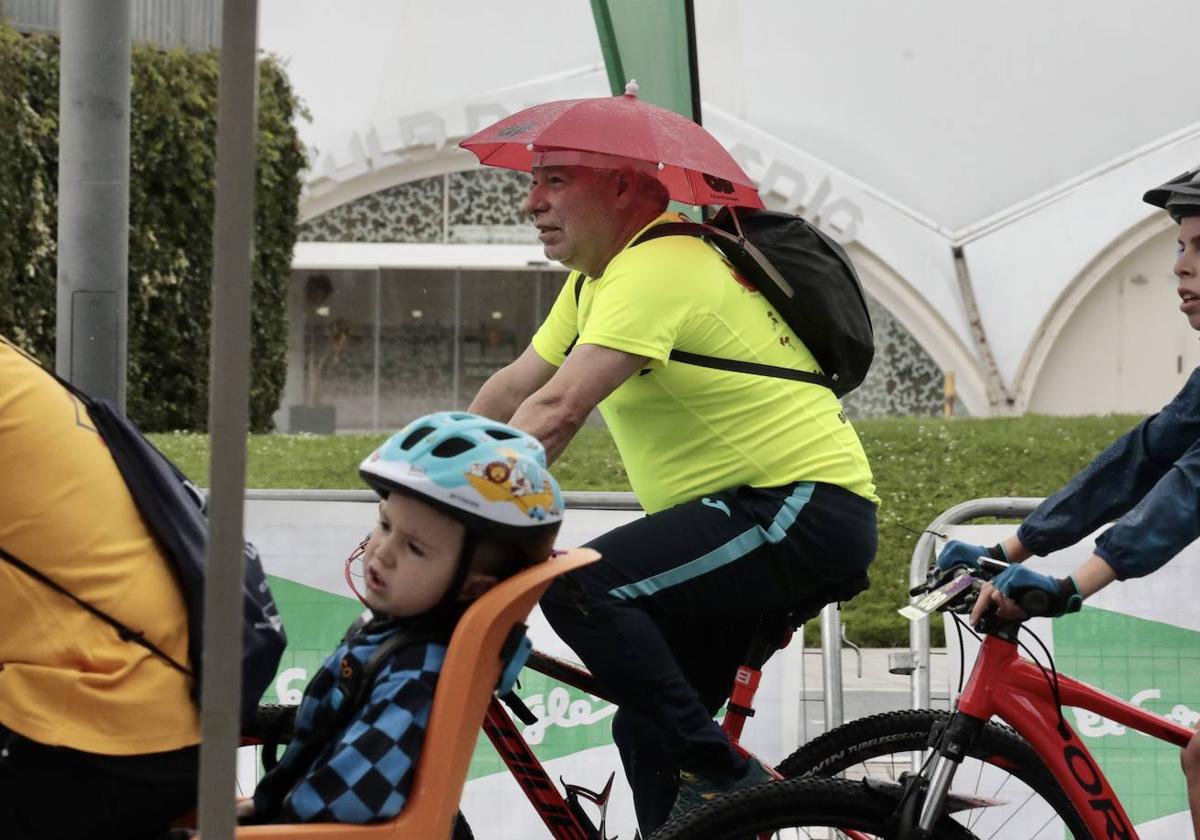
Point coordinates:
[(596, 512), (923, 556)]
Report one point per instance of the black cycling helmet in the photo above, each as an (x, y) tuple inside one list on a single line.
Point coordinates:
[(1180, 196)]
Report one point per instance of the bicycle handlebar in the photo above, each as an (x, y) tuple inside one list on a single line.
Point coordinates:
[(957, 589)]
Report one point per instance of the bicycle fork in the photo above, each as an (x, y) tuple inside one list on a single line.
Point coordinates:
[(925, 794)]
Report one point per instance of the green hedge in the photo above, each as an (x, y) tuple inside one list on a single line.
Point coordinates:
[(922, 467), (173, 139)]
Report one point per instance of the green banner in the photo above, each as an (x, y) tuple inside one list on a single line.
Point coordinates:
[(655, 44), (1154, 666)]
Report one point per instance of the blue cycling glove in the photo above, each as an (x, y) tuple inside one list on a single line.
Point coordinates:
[(1039, 594), (959, 553)]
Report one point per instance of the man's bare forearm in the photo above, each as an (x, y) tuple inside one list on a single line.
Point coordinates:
[(551, 420), (497, 399)]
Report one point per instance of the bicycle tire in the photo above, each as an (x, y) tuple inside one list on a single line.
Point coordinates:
[(796, 805), (904, 732)]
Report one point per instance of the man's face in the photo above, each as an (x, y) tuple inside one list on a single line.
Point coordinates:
[(1187, 269), (572, 208)]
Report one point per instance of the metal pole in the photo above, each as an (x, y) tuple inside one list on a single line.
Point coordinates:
[(229, 389), (93, 196), (831, 664), (456, 350), (576, 500), (922, 559), (377, 342)]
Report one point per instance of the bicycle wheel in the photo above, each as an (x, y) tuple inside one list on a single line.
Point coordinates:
[(797, 809), (1001, 766)]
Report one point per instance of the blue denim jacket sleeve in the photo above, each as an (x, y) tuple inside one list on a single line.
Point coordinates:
[(1148, 481)]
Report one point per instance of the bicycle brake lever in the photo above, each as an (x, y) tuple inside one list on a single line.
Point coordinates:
[(936, 579), (936, 599)]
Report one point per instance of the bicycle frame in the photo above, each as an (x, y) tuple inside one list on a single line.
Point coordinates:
[(1005, 685), (563, 822)]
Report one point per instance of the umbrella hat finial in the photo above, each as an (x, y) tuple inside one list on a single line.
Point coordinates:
[(631, 89)]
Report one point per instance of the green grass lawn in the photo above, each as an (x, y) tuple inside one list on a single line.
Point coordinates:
[(922, 467)]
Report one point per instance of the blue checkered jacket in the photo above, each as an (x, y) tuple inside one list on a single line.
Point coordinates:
[(355, 766), (1148, 481)]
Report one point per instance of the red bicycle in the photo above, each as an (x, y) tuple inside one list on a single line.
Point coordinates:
[(1034, 778)]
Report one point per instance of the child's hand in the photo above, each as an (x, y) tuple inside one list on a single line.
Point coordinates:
[(245, 808)]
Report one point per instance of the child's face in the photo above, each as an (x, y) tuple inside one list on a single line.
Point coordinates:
[(411, 557), (1187, 269)]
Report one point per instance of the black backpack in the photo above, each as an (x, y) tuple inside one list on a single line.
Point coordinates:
[(806, 277), (174, 511)]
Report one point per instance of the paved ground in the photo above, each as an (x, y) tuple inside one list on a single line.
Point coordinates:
[(875, 691)]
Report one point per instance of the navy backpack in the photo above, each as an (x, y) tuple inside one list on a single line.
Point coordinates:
[(174, 511)]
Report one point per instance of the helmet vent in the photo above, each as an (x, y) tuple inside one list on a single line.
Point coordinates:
[(500, 434), (415, 437), (451, 447)]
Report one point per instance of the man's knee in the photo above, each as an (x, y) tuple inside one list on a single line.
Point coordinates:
[(631, 728), (577, 596), (561, 601)]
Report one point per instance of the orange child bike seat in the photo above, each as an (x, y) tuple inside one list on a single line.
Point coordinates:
[(464, 689)]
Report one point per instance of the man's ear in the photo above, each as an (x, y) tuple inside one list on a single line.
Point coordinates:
[(625, 183), (475, 584)]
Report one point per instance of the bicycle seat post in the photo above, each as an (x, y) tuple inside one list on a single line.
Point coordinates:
[(771, 634)]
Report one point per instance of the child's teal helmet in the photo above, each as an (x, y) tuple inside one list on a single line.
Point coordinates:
[(489, 476)]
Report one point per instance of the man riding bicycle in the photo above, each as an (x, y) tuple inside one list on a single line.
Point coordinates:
[(758, 494), (1148, 482)]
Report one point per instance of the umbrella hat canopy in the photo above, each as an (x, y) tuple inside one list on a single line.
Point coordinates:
[(695, 168)]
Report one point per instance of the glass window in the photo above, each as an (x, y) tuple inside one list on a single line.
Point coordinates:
[(374, 349), (416, 344), (499, 313), (336, 354)]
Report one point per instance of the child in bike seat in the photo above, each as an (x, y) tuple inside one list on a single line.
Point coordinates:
[(464, 503), (1147, 483)]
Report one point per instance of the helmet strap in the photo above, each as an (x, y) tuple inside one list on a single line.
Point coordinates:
[(446, 612)]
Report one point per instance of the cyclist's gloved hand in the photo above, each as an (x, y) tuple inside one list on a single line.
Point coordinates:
[(1039, 594), (959, 553)]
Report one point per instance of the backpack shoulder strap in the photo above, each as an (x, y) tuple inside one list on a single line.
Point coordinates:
[(738, 250), (126, 633), (580, 279)]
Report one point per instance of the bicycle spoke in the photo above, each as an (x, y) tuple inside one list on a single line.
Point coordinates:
[(1003, 769)]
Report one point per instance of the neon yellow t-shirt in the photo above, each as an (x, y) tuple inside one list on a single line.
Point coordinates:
[(684, 430), (67, 679)]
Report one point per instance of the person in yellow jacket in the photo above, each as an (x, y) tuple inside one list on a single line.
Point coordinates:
[(98, 736)]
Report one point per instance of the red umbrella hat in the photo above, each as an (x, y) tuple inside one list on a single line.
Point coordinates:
[(614, 131)]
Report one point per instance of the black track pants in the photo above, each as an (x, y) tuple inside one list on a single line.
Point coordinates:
[(54, 793), (666, 616)]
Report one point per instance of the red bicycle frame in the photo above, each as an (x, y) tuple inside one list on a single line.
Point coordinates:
[(1016, 690), (561, 820)]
